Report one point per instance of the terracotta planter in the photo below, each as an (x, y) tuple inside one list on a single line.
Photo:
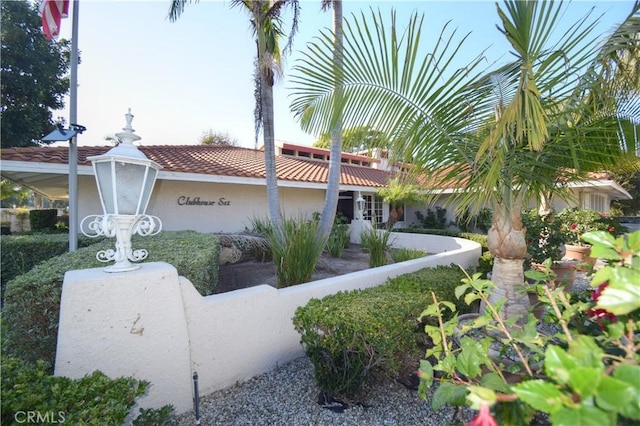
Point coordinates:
[(537, 310), (579, 253), (565, 274)]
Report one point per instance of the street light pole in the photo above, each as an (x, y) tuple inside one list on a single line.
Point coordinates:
[(73, 144)]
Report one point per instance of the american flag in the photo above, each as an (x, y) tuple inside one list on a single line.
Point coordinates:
[(52, 12)]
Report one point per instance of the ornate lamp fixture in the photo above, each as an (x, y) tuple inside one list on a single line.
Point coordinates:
[(359, 206), (125, 179)]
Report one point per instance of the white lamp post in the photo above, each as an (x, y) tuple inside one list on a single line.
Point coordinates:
[(125, 179), (359, 206)]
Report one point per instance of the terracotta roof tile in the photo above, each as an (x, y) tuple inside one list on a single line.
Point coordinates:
[(213, 160)]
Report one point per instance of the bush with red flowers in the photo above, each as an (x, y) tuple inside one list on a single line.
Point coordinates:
[(575, 222), (574, 374)]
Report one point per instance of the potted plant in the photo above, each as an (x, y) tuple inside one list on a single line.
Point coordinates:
[(576, 222), (544, 236), (546, 248)]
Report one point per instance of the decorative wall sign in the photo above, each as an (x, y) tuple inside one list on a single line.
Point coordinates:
[(183, 200)]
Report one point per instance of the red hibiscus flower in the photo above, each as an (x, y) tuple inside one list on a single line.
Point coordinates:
[(601, 316), (483, 418)]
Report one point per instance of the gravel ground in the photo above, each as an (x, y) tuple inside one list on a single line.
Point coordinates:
[(288, 396)]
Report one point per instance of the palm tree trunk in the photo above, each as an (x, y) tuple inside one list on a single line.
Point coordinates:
[(273, 199), (507, 243), (333, 180)]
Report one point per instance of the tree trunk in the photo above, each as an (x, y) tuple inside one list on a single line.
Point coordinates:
[(273, 199), (335, 162), (506, 241)]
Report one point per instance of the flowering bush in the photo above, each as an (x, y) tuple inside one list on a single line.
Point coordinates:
[(544, 236), (575, 374), (575, 222)]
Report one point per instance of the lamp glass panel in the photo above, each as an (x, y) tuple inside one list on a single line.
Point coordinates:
[(148, 187), (129, 180), (104, 179)]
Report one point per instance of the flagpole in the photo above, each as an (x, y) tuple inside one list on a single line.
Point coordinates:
[(73, 143)]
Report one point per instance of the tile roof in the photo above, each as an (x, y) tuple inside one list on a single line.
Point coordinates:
[(214, 160)]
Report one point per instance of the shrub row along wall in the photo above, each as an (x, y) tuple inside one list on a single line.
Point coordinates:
[(153, 325), (32, 300)]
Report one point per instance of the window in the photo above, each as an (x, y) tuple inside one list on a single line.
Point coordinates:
[(596, 202), (372, 208)]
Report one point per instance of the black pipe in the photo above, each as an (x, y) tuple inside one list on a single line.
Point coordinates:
[(196, 398)]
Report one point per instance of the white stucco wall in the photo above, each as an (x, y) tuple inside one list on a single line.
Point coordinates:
[(229, 206), (152, 325)]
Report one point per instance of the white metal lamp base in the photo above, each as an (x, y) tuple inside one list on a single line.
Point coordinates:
[(122, 227)]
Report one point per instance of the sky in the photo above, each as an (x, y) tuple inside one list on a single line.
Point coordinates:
[(183, 78)]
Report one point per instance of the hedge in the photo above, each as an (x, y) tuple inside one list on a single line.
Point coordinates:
[(349, 334), (42, 219), (32, 300), (478, 238), (31, 395), (20, 253)]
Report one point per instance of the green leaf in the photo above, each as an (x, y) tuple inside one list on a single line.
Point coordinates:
[(622, 295), (601, 276), (633, 241), (461, 289), (495, 382), (558, 363), (583, 415), (470, 298), (586, 352), (584, 380), (540, 395), (479, 396), (613, 394), (448, 393), (630, 374), (619, 301), (470, 358), (599, 238), (426, 378), (607, 253)]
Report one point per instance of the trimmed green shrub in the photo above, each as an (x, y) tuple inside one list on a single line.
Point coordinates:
[(478, 238), (28, 390), (32, 300), (348, 335), (193, 254), (442, 232), (42, 219), (403, 254), (20, 253), (163, 416), (485, 263)]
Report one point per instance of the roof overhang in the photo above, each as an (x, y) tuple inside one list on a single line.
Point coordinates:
[(49, 180), (613, 189)]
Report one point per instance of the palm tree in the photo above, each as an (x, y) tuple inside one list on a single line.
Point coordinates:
[(333, 181), (267, 24), (501, 136), (399, 194)]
